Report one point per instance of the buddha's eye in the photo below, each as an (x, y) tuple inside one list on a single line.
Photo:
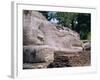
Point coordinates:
[(40, 38)]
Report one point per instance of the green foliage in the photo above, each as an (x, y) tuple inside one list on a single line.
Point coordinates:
[(66, 19), (83, 26), (89, 36), (51, 15)]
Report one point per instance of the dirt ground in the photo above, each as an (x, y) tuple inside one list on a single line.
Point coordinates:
[(82, 59)]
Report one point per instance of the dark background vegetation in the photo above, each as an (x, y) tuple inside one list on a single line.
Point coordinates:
[(79, 22)]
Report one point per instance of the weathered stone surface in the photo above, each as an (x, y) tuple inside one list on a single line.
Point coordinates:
[(35, 65), (37, 31), (87, 45), (38, 54)]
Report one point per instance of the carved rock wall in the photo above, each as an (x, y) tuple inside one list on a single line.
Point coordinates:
[(41, 39)]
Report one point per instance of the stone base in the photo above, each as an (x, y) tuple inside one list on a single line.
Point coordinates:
[(35, 65), (34, 54)]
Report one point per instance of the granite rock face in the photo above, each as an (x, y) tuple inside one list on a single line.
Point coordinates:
[(42, 39), (35, 54)]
